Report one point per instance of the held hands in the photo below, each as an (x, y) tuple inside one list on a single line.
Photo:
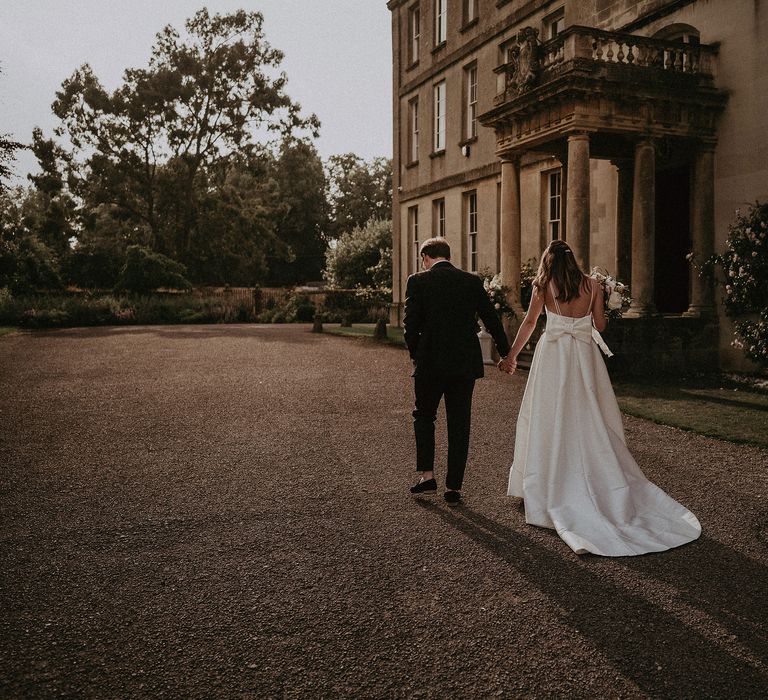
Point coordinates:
[(507, 364)]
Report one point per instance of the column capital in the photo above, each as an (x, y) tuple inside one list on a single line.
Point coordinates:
[(513, 158), (646, 140), (578, 135)]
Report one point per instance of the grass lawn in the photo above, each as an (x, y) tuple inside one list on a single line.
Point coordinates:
[(5, 330), (737, 414)]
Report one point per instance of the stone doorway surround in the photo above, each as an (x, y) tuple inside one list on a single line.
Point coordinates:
[(591, 93)]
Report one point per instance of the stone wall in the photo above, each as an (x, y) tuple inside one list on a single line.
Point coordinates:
[(647, 347)]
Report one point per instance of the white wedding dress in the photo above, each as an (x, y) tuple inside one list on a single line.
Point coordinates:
[(571, 464)]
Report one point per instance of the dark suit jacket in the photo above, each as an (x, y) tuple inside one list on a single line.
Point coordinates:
[(440, 322)]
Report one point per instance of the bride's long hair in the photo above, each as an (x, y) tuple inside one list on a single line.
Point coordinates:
[(559, 266)]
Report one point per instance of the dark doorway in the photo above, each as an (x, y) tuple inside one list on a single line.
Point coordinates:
[(673, 240)]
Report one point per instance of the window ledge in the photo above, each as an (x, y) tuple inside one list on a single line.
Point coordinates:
[(437, 154), (469, 25), (467, 142), (439, 47), (412, 65), (412, 164)]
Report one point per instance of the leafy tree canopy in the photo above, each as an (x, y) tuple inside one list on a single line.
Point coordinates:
[(359, 191), (183, 132)]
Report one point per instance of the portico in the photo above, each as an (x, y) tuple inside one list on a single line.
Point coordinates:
[(645, 105)]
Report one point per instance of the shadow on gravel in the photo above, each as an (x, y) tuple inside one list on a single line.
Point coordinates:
[(265, 333), (656, 650), (731, 588)]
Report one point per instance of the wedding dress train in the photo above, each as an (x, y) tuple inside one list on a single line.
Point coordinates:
[(571, 463)]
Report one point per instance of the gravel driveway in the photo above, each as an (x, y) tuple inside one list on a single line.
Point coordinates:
[(222, 511)]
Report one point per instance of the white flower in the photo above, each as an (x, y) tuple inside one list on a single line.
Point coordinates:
[(614, 301), (497, 306)]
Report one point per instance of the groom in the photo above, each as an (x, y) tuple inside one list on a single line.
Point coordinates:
[(441, 308)]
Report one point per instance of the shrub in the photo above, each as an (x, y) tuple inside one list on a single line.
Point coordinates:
[(362, 305), (56, 310), (144, 271), (362, 257), (744, 265), (297, 308)]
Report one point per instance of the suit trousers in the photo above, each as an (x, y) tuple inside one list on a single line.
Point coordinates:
[(458, 411)]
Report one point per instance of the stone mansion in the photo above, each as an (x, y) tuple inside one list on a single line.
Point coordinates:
[(633, 130)]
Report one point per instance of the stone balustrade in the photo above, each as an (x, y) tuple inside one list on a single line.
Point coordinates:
[(593, 49)]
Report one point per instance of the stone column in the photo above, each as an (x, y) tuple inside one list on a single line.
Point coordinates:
[(702, 230), (643, 230), (623, 263), (510, 231), (577, 198)]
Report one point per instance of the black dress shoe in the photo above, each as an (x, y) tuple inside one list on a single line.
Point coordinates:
[(425, 487), (452, 498)]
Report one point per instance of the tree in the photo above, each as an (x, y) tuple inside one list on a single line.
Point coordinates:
[(26, 263), (8, 148), (50, 210), (303, 215), (237, 231), (359, 192), (171, 131), (98, 255), (362, 257)]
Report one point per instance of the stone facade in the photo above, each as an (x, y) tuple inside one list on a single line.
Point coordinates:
[(634, 130)]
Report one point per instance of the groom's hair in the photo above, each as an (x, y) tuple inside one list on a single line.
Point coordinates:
[(436, 248)]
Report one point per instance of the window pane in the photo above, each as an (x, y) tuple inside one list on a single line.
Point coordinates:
[(440, 116), (415, 34), (471, 88), (440, 21)]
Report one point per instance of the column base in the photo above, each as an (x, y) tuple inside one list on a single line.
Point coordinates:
[(700, 312), (641, 311)]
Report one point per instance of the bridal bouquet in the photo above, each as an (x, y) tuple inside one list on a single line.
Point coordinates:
[(497, 293), (617, 299)]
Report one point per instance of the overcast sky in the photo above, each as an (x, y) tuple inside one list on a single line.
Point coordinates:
[(337, 58)]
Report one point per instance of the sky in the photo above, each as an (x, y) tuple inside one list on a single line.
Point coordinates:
[(338, 60)]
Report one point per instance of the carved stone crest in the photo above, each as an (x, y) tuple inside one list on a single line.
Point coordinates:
[(523, 59)]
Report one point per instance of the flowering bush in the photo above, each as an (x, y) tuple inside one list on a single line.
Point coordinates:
[(745, 262), (497, 293), (745, 279), (616, 294), (752, 337)]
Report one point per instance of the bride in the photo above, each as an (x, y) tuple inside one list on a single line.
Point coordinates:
[(571, 464)]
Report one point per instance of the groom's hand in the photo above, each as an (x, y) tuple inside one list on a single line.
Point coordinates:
[(507, 364)]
